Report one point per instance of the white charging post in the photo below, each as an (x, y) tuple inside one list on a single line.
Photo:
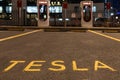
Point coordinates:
[(86, 13), (43, 13)]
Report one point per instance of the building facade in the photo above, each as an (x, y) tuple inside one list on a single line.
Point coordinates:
[(26, 14)]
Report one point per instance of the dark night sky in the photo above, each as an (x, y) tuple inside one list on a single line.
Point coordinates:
[(77, 1), (114, 3)]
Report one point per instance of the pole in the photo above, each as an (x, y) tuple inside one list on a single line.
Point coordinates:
[(65, 19), (19, 5), (19, 16)]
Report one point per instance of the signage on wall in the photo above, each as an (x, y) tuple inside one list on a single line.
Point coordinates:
[(19, 3), (55, 3), (65, 5)]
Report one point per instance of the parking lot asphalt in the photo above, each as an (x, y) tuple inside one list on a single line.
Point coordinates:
[(39, 55)]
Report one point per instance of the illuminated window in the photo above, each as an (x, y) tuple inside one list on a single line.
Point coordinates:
[(1, 9), (94, 9), (8, 9), (55, 9), (5, 9), (32, 9)]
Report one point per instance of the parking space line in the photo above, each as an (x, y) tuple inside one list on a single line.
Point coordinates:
[(104, 35), (19, 35)]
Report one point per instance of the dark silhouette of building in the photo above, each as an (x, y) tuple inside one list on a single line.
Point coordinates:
[(78, 1)]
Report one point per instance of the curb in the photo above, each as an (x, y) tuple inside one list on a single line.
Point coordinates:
[(61, 29), (12, 29)]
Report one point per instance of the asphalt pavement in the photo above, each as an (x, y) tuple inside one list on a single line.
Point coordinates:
[(39, 55)]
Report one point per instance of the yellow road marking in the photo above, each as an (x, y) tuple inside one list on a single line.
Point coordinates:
[(56, 66), (19, 35), (115, 39)]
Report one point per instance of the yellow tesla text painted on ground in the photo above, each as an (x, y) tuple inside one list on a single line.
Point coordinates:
[(55, 66)]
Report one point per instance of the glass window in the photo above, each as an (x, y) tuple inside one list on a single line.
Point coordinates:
[(1, 9), (55, 9), (32, 9), (31, 2), (8, 9), (5, 9), (94, 9)]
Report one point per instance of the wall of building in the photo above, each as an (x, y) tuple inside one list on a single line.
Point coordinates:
[(16, 20), (15, 16), (71, 9)]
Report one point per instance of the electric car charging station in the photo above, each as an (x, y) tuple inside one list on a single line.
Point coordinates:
[(43, 13), (86, 13)]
